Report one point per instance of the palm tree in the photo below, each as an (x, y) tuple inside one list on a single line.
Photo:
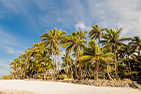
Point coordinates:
[(107, 58), (60, 36), (96, 33), (75, 44), (136, 42), (14, 66), (42, 56), (91, 55), (67, 60), (50, 39), (128, 51), (111, 38)]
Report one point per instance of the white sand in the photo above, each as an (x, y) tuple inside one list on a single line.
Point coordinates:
[(44, 87)]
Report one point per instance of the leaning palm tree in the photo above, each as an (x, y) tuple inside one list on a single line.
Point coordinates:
[(111, 38), (75, 44), (96, 33)]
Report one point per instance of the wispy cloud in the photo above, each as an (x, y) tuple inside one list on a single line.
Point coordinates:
[(82, 26), (4, 72), (6, 38), (11, 50), (67, 14), (4, 67), (8, 42), (117, 13)]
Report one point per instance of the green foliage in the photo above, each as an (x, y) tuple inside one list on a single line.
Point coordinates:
[(90, 61), (7, 77)]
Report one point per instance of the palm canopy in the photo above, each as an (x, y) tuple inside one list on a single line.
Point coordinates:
[(67, 59), (80, 34), (76, 44), (96, 32), (50, 38), (93, 53), (112, 37), (90, 52), (126, 51), (73, 44), (136, 42)]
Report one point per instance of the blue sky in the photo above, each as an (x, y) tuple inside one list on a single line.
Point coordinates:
[(23, 21)]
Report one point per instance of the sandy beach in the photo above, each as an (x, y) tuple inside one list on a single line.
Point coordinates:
[(45, 87)]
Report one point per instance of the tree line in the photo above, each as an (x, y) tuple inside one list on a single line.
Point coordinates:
[(113, 57)]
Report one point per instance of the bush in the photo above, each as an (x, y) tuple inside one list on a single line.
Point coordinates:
[(126, 79), (7, 77)]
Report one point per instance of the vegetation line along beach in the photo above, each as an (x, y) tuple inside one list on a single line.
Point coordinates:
[(112, 58)]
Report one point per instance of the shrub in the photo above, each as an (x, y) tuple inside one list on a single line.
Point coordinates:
[(7, 77), (126, 79)]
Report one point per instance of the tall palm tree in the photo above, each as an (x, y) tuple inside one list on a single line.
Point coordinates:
[(111, 38), (96, 33), (61, 35), (74, 44), (51, 39)]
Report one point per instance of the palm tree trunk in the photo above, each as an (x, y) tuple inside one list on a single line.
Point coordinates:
[(25, 71), (109, 73), (85, 69), (81, 73), (130, 68), (75, 65), (45, 75), (58, 64), (99, 42), (21, 71), (67, 69), (71, 69), (116, 72), (53, 59), (97, 69)]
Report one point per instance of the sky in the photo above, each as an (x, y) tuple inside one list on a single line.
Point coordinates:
[(22, 22)]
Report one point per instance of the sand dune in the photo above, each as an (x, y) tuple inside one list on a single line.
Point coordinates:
[(45, 87)]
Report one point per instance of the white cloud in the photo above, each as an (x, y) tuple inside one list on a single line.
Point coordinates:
[(116, 14), (11, 50), (6, 38), (8, 42), (82, 26), (107, 13), (4, 65)]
